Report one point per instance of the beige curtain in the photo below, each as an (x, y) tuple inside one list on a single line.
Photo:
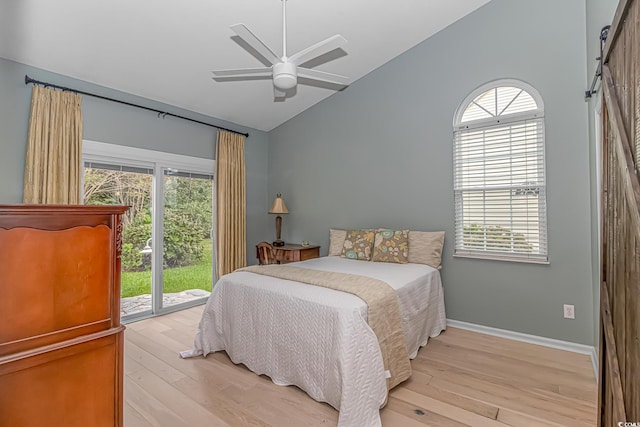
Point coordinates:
[(52, 172), (230, 203)]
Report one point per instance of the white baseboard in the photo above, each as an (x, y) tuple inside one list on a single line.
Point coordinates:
[(531, 339)]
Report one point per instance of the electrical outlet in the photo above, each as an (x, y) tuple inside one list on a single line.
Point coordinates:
[(569, 311)]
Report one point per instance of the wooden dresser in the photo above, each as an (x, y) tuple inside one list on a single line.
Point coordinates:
[(61, 342)]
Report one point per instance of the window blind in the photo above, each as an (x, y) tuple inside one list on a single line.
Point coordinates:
[(117, 167), (175, 172), (500, 191)]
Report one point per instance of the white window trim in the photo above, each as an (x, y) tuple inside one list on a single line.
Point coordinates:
[(457, 118), (500, 120), (130, 156), (488, 122), (496, 256)]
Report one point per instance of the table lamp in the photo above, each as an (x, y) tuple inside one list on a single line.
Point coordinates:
[(278, 207)]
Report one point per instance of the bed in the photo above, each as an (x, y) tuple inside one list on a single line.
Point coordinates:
[(318, 338)]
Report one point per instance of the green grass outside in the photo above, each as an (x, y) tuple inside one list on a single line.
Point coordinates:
[(175, 279)]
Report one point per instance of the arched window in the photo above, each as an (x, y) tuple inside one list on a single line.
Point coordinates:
[(499, 174)]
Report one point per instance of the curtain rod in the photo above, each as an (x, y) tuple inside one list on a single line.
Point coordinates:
[(28, 80)]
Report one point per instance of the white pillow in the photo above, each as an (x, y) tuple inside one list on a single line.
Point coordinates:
[(425, 247), (336, 241)]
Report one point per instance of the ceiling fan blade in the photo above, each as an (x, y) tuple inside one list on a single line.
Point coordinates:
[(253, 41), (323, 76), (244, 72), (318, 49)]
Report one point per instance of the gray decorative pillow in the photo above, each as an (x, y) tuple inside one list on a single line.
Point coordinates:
[(358, 244), (336, 241), (425, 247), (391, 246)]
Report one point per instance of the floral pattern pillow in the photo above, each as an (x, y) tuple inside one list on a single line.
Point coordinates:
[(391, 246), (358, 244)]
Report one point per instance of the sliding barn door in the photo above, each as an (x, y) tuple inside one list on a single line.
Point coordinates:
[(619, 382)]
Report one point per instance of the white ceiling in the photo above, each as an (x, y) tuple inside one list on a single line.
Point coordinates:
[(164, 50)]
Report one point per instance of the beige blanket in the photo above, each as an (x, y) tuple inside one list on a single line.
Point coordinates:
[(383, 313)]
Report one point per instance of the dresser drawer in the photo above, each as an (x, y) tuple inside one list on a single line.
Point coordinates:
[(71, 384), (47, 297)]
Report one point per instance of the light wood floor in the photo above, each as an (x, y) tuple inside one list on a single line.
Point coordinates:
[(460, 379)]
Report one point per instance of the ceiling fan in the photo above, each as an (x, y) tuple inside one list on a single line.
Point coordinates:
[(285, 70)]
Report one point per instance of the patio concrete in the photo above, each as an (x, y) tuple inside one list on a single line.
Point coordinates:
[(137, 304)]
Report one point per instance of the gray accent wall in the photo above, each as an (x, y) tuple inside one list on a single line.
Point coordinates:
[(114, 123), (379, 154)]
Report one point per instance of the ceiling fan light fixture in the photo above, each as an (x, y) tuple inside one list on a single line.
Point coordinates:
[(285, 75), (285, 70)]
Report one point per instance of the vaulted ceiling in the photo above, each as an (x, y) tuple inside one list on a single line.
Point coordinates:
[(165, 50)]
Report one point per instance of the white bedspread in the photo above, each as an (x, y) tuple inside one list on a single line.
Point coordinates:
[(317, 338)]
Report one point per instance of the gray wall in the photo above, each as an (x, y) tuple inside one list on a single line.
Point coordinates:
[(379, 154), (599, 14), (114, 123)]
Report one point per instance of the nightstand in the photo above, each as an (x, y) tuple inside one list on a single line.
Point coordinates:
[(291, 252)]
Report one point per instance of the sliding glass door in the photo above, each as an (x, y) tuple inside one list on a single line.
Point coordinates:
[(113, 184), (167, 257), (187, 224)]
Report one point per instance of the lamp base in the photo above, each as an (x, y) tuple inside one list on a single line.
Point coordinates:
[(278, 243)]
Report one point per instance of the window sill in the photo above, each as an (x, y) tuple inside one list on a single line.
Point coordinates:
[(497, 257)]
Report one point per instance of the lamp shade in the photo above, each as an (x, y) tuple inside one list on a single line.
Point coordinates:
[(278, 206)]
